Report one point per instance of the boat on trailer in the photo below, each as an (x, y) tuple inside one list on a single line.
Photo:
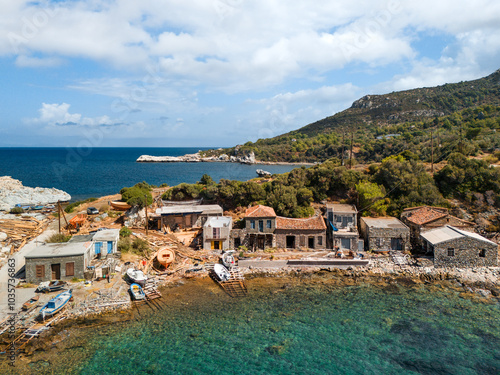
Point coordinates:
[(222, 272), (56, 304), (137, 292)]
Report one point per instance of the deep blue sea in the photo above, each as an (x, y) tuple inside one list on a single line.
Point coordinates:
[(96, 172)]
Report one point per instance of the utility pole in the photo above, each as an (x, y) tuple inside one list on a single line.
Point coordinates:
[(59, 214), (146, 209), (432, 153), (343, 145), (350, 154)]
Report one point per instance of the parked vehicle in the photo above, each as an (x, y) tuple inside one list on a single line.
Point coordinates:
[(92, 211)]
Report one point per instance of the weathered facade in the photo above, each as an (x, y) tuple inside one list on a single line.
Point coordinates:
[(59, 261), (260, 225), (424, 218), (453, 247), (383, 234), (307, 233), (342, 226), (216, 233), (105, 242), (185, 216)]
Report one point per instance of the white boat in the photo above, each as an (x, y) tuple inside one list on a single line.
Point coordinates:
[(222, 272), (136, 276), (263, 173), (56, 304), (228, 259)]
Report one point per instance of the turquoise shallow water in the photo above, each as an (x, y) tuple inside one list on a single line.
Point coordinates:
[(306, 326)]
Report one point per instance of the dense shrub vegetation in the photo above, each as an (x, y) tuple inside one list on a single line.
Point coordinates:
[(138, 194)]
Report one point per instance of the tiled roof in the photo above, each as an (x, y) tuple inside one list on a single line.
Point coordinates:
[(260, 211), (425, 215), (312, 223)]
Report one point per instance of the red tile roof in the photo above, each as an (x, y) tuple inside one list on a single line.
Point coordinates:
[(425, 215), (260, 211), (312, 223)]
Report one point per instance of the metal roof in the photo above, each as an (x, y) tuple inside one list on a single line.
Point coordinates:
[(341, 207), (448, 233), (65, 249), (107, 235), (219, 222)]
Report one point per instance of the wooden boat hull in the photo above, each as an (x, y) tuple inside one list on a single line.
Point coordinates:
[(29, 304), (165, 256), (120, 206)]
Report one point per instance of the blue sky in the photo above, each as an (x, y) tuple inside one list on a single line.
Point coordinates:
[(221, 72)]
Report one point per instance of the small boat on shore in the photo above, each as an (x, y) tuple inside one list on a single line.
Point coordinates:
[(119, 206), (136, 276), (50, 286), (228, 259), (263, 173), (30, 303), (222, 272), (56, 304), (165, 256), (136, 292)]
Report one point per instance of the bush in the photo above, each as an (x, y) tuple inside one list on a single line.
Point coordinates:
[(140, 246), (70, 207), (137, 195), (125, 232), (16, 210), (58, 238), (124, 245)]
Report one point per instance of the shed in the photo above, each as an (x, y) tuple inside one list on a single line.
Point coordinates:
[(455, 247), (186, 216), (383, 234), (106, 241)]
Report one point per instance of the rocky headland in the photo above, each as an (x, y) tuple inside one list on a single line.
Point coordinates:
[(13, 192), (198, 158)]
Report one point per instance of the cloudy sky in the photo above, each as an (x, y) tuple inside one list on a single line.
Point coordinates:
[(221, 72)]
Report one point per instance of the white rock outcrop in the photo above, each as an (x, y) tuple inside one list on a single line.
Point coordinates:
[(196, 158), (13, 192)]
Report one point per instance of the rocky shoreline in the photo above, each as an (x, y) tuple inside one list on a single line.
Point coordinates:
[(13, 192), (197, 158)]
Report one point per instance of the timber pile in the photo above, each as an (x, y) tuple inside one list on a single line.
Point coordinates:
[(21, 231)]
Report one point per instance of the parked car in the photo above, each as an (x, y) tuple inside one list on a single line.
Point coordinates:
[(92, 211)]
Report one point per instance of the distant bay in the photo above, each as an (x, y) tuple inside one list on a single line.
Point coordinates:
[(96, 172)]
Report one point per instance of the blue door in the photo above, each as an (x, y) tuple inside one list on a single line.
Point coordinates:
[(110, 247), (98, 246)]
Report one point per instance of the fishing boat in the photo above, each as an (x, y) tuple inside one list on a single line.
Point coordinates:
[(56, 304), (228, 259), (136, 276), (30, 303), (50, 286), (37, 208), (137, 292), (222, 272), (120, 206)]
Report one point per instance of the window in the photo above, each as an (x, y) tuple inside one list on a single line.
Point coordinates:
[(216, 232), (252, 224), (40, 271), (451, 252), (345, 243), (396, 244), (338, 219), (320, 240), (482, 253), (261, 225), (269, 224), (70, 269)]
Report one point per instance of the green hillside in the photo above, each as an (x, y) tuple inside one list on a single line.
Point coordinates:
[(462, 117)]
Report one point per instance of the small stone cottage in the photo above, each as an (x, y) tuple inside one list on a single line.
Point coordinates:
[(382, 234), (307, 233), (424, 218), (453, 247), (216, 233)]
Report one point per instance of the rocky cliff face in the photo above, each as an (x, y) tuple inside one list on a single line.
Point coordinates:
[(196, 158), (13, 192)]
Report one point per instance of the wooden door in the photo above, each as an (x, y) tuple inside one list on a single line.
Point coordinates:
[(56, 271)]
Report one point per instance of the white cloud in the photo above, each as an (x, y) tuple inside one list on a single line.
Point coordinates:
[(59, 115)]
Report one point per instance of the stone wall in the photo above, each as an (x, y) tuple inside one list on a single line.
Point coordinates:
[(302, 238), (379, 239), (249, 229), (467, 253), (31, 263)]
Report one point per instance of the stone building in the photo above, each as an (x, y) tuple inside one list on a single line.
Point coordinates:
[(309, 233), (260, 224), (216, 233), (383, 234), (342, 226), (58, 261), (424, 218), (185, 216), (453, 247)]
